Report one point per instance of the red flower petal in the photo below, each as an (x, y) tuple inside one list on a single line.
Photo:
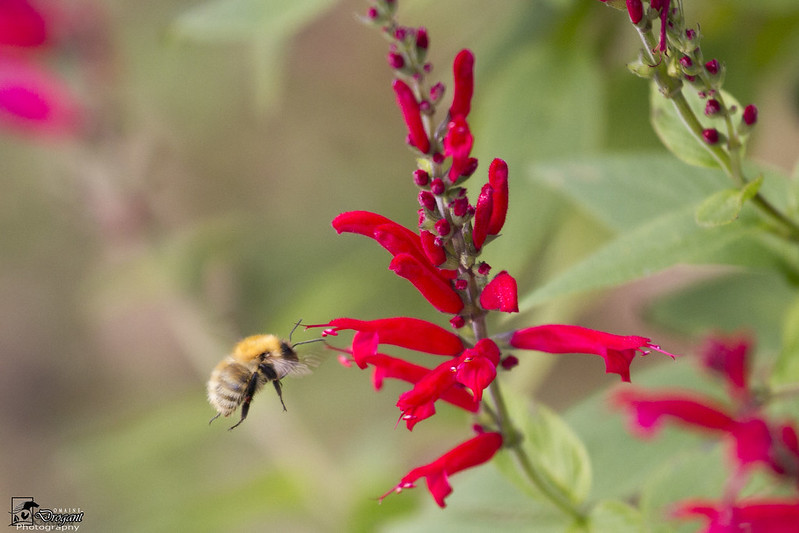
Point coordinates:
[(752, 516), (728, 357), (648, 410), (501, 295), (469, 454), (498, 178), (435, 254), (482, 216), (407, 103), (477, 367), (34, 101), (617, 351), (21, 24), (463, 74), (406, 332), (428, 281)]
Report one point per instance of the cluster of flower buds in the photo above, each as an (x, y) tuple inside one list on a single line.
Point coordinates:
[(678, 47), (755, 439), (441, 260)]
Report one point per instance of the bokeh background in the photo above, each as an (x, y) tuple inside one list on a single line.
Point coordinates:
[(194, 207)]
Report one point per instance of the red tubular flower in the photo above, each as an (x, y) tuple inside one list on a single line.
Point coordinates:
[(428, 281), (477, 367), (617, 351), (412, 115), (753, 516), (34, 101), (482, 216), (458, 144), (364, 223), (463, 74), (393, 237), (501, 295), (21, 24), (471, 453), (648, 409), (498, 178), (776, 447), (388, 367), (418, 403), (405, 332), (728, 358)]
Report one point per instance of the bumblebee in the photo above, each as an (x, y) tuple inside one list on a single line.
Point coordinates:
[(255, 361)]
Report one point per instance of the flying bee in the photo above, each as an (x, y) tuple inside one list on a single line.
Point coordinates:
[(255, 361)]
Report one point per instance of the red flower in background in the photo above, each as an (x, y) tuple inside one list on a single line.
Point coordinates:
[(32, 100)]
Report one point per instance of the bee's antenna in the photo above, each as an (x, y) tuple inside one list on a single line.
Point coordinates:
[(294, 329), (298, 324), (307, 342)]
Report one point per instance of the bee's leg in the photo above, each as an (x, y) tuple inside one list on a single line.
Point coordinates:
[(248, 392), (276, 383), (214, 418), (270, 373)]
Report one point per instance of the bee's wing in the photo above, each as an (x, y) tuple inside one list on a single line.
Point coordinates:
[(285, 367)]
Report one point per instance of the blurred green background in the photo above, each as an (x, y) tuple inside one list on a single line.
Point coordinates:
[(225, 137)]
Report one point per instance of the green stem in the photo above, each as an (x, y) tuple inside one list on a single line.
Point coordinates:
[(729, 162), (513, 441)]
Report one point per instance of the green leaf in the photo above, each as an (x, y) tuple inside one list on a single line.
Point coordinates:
[(241, 20), (621, 462), (553, 449), (622, 191), (266, 25), (671, 239), (613, 516), (677, 136), (726, 303), (786, 369), (724, 206)]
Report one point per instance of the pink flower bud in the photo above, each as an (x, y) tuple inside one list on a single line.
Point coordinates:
[(457, 322), (420, 177), (427, 200), (442, 227), (635, 8), (750, 115), (437, 187), (395, 60), (422, 40), (712, 107), (712, 67), (711, 135)]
